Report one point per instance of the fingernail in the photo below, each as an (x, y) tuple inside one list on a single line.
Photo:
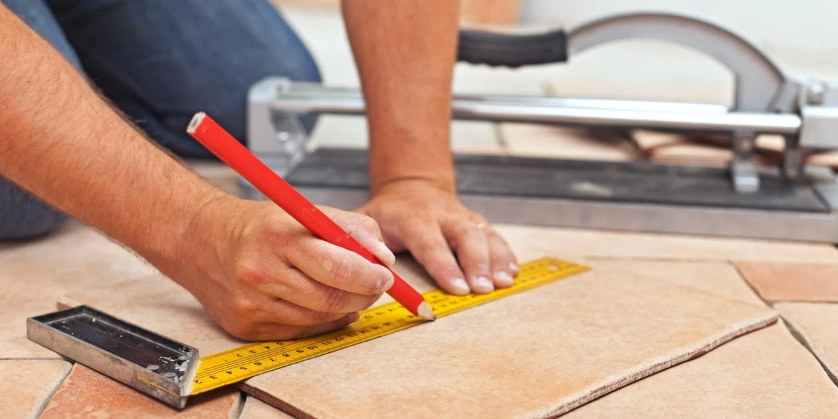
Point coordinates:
[(503, 279), (353, 317), (483, 285), (460, 286), (514, 268), (389, 257)]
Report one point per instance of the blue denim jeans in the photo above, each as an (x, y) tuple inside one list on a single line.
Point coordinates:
[(160, 61)]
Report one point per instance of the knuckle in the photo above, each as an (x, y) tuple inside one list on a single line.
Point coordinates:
[(244, 310), (343, 272), (334, 301), (251, 272)]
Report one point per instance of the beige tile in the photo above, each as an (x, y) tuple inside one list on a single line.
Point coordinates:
[(527, 355), (530, 242), (692, 153), (533, 140), (716, 278), (27, 385), (813, 282), (257, 409), (89, 394), (35, 273), (815, 323), (762, 374), (651, 140)]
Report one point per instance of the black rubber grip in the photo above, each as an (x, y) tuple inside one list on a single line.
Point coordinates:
[(497, 49)]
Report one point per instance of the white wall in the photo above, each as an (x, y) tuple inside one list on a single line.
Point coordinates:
[(800, 35)]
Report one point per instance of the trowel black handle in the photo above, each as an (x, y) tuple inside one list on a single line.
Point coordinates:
[(495, 49)]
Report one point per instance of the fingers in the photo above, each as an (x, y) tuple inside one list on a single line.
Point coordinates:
[(339, 268), (285, 312), (485, 257), (278, 331), (469, 242), (503, 261), (429, 247), (366, 231)]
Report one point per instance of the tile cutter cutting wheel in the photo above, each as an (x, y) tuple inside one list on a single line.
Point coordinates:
[(792, 201)]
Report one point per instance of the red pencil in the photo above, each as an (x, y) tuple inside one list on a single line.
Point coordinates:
[(230, 151)]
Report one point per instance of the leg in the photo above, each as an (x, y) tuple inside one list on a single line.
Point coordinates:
[(21, 214), (161, 61)]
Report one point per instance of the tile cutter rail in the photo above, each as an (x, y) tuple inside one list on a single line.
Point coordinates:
[(792, 201)]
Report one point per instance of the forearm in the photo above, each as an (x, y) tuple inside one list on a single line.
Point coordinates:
[(62, 142), (405, 52)]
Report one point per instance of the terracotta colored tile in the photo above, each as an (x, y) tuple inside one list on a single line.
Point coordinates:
[(27, 385), (257, 409), (89, 394), (762, 374), (534, 140), (35, 273), (527, 355), (815, 282), (716, 278), (530, 242), (815, 323)]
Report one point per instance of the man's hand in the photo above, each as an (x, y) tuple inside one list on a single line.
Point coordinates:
[(262, 276), (405, 52), (439, 231)]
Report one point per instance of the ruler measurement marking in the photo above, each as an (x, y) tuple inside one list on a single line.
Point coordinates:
[(281, 349), (246, 361)]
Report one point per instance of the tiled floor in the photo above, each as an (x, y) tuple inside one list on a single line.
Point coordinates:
[(747, 377)]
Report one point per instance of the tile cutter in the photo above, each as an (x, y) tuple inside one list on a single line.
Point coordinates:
[(792, 201)]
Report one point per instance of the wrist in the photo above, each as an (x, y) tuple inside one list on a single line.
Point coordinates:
[(195, 238)]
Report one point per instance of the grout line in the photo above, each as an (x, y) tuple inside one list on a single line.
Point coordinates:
[(750, 286), (798, 336), (55, 390), (242, 400), (801, 337)]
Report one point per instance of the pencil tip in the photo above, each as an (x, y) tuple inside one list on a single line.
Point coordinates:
[(425, 311)]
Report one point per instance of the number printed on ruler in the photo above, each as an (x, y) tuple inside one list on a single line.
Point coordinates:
[(253, 359)]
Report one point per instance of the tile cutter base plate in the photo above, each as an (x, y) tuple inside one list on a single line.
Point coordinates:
[(632, 196)]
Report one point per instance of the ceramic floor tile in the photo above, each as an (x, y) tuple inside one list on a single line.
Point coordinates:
[(762, 374), (35, 273), (815, 324), (530, 242), (690, 153), (814, 282), (88, 394), (716, 278), (27, 385), (257, 409), (533, 140), (472, 363)]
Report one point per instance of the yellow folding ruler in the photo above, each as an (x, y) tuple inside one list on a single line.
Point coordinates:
[(241, 363)]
